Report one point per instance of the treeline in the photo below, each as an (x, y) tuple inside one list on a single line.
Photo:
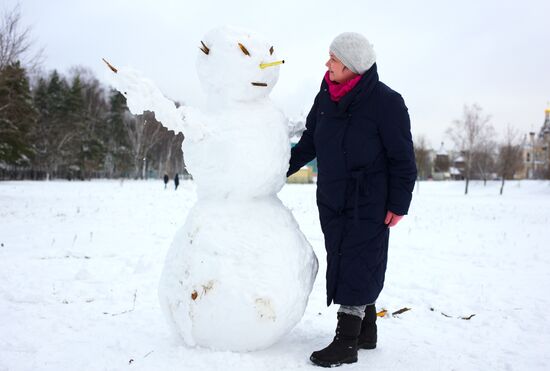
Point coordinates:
[(72, 127)]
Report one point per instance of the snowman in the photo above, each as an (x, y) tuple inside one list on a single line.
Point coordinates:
[(239, 272)]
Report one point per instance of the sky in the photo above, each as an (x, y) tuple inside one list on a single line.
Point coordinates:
[(440, 55)]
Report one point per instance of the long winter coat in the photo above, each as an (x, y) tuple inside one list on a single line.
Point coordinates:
[(366, 166)]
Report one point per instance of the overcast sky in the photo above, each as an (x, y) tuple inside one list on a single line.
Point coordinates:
[(439, 55)]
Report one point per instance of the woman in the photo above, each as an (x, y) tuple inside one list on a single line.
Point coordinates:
[(359, 131)]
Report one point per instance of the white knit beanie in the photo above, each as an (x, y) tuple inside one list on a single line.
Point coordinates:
[(354, 50)]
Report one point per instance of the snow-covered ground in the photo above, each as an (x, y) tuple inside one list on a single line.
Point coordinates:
[(80, 264)]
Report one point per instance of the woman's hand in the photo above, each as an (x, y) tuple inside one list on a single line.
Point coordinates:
[(392, 219)]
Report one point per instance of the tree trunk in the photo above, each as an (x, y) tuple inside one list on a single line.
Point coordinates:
[(502, 186), (468, 170), (137, 167), (144, 169)]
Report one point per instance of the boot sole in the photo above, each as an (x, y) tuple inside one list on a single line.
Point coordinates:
[(366, 346), (321, 363)]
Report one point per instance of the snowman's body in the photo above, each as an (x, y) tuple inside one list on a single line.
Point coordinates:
[(235, 278), (245, 157), (239, 272)]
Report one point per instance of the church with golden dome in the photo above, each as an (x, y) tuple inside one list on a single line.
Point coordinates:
[(536, 152)]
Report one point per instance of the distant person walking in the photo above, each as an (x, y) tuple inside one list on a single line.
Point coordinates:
[(177, 181), (166, 180)]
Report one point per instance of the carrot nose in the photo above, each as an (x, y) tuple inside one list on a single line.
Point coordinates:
[(276, 63)]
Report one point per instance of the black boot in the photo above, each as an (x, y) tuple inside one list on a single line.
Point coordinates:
[(343, 348), (367, 337)]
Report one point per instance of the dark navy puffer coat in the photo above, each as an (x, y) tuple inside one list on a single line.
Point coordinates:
[(366, 167)]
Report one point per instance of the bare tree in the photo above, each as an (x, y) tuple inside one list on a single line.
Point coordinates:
[(144, 132), (168, 152), (546, 173), (16, 43), (423, 162), (483, 158), (510, 156), (468, 133)]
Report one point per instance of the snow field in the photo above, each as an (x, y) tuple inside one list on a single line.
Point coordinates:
[(80, 264)]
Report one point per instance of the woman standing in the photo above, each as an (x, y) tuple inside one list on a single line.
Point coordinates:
[(359, 131)]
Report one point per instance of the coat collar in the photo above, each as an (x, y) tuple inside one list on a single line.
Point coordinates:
[(363, 89)]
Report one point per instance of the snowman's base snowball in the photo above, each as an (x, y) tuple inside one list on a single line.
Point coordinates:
[(237, 277)]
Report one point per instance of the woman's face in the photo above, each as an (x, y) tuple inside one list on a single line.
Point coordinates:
[(337, 71)]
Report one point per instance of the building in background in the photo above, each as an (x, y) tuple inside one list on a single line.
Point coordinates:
[(458, 169), (536, 152), (441, 164)]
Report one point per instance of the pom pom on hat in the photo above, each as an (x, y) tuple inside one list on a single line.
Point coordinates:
[(354, 51)]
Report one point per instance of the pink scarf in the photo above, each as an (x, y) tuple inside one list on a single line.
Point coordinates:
[(337, 91)]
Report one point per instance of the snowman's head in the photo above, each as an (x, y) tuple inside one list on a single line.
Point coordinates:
[(237, 64)]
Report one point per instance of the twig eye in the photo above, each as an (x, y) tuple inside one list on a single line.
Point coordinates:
[(244, 50), (271, 51), (204, 48)]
